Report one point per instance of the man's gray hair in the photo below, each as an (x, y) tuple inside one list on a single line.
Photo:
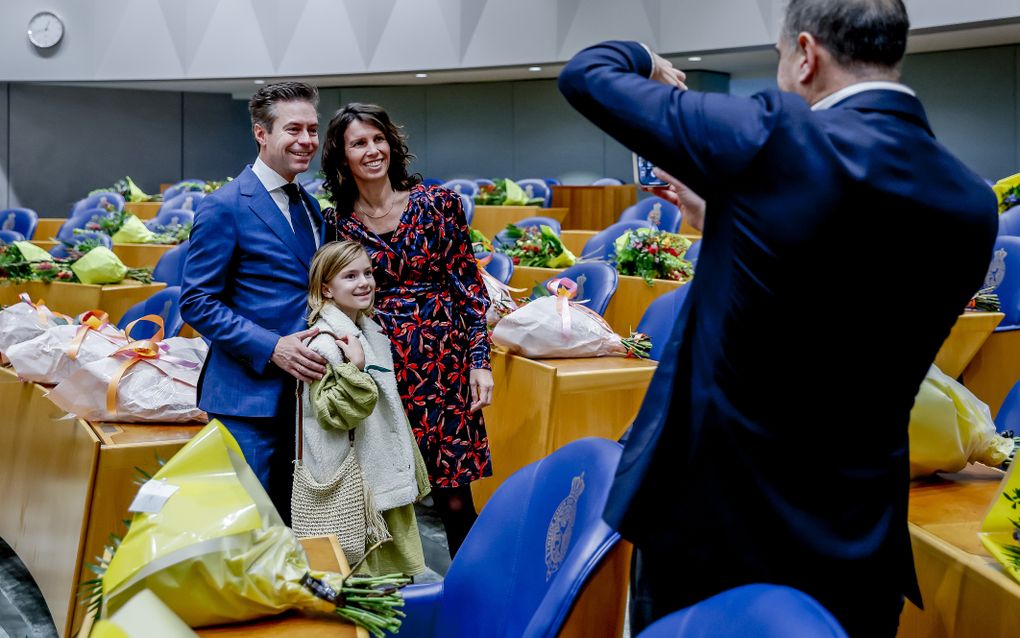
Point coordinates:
[(857, 33)]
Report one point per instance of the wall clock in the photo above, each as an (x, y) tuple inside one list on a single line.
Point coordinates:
[(45, 30)]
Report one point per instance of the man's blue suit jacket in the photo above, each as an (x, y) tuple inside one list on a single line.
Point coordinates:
[(245, 286), (839, 248)]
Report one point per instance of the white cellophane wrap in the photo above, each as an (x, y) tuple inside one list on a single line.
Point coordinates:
[(151, 391), (44, 359), (500, 302), (21, 322), (537, 331)]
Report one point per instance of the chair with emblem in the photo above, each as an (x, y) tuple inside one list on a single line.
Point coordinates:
[(659, 318), (166, 304), (21, 220), (536, 559), (537, 188), (184, 186), (92, 236), (11, 236), (602, 244), (185, 201), (484, 181), (1003, 279), (500, 266), (1009, 222), (432, 181), (80, 221), (171, 217), (502, 239), (596, 283), (468, 205), (170, 267), (661, 213), (463, 186), (102, 199), (552, 181), (759, 610), (607, 181)]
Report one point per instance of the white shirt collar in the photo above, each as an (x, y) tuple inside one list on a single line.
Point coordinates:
[(834, 98), (269, 178)]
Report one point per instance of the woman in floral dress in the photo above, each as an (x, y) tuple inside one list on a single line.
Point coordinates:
[(430, 298)]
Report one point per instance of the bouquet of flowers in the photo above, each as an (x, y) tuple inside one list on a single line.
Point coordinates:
[(505, 192), (213, 184), (479, 242), (129, 190), (1007, 191), (536, 246), (555, 326), (653, 254), (985, 301), (207, 541), (171, 234), (501, 302), (88, 263), (26, 320)]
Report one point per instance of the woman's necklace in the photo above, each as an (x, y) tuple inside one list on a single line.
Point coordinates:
[(363, 213)]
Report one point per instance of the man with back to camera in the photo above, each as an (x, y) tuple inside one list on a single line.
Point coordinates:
[(772, 445), (246, 284)]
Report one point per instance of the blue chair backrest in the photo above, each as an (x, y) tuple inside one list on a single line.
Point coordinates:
[(1008, 417), (182, 187), (186, 201), (501, 238), (663, 214), (170, 267), (692, 253), (22, 220), (660, 317), (463, 186), (166, 304), (761, 611), (172, 216), (1004, 278), (537, 188), (469, 207), (551, 181), (1009, 222), (596, 282), (601, 246), (607, 181), (10, 236), (432, 181), (501, 267), (100, 200), (60, 250), (482, 181), (533, 546), (78, 221)]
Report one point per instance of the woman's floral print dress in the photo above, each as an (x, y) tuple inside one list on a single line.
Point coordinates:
[(431, 301)]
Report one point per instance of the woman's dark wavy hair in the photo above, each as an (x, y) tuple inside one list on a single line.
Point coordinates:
[(340, 184)]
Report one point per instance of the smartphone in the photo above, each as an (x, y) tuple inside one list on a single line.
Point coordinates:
[(643, 174)]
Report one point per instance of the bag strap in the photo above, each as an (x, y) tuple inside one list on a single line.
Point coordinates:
[(301, 404)]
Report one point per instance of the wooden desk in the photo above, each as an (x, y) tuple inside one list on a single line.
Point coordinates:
[(968, 334), (995, 368), (48, 227), (539, 406), (593, 207), (133, 255), (489, 220), (66, 486), (143, 210), (628, 304), (72, 299), (966, 592)]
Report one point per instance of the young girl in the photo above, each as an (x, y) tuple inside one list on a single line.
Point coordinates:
[(341, 291)]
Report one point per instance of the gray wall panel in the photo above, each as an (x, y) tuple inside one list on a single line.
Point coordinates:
[(470, 130), (4, 146), (216, 137), (66, 141)]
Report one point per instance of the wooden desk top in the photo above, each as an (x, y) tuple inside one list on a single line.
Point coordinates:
[(952, 506), (588, 374)]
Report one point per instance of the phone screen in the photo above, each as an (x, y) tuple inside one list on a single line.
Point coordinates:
[(643, 174)]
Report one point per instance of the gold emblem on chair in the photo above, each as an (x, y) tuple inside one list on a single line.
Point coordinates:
[(561, 527), (997, 270), (655, 217)]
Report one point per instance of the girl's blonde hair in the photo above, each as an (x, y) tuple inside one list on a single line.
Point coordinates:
[(327, 263)]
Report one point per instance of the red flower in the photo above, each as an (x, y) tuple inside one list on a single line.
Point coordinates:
[(653, 249)]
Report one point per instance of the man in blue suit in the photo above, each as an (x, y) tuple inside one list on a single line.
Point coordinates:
[(246, 284), (772, 445)]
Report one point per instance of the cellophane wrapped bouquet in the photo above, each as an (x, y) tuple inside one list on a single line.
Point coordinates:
[(653, 254), (26, 320), (1000, 531), (539, 247), (501, 303), (555, 326), (207, 541), (62, 350)]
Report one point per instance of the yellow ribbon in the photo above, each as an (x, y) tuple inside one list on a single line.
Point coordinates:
[(138, 351), (91, 320)]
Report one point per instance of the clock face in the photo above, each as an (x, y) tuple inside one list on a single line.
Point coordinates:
[(45, 30)]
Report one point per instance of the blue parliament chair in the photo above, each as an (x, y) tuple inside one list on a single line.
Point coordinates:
[(22, 220), (78, 221), (1008, 417), (11, 236), (166, 304), (601, 245), (170, 267), (692, 253), (483, 181), (552, 181), (759, 610), (500, 267), (662, 214), (535, 544), (100, 200), (660, 317), (432, 181), (60, 250), (607, 181), (184, 186), (463, 186), (537, 188), (596, 283), (1009, 222), (1003, 279), (185, 201), (501, 238), (172, 217), (468, 205)]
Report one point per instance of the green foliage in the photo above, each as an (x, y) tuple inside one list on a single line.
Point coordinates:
[(653, 254)]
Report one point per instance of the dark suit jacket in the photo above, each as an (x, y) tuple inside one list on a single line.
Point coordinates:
[(245, 285), (839, 248)]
